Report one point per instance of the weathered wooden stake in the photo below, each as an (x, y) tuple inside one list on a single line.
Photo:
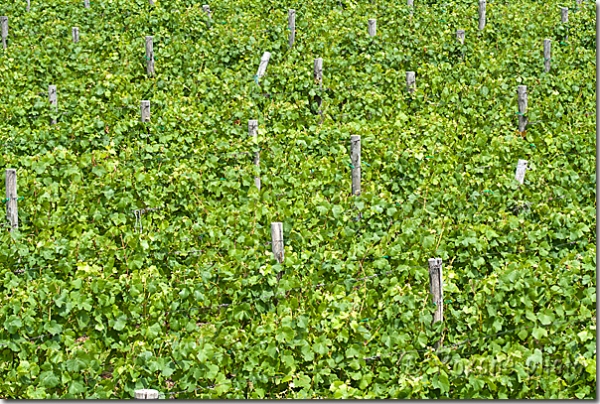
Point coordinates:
[(12, 213), (318, 75), (564, 15), (206, 9), (146, 394), (86, 3), (372, 27), (521, 169), (145, 111), (277, 240), (318, 70), (149, 56), (410, 3), (355, 161), (53, 98), (28, 5), (436, 286), (481, 14), (522, 100), (411, 85), (262, 67), (253, 132), (4, 25), (75, 32), (547, 45), (460, 35), (292, 26)]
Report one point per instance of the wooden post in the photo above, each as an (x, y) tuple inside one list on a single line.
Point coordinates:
[(12, 213), (262, 67), (460, 35), (206, 9), (253, 132), (145, 111), (52, 97), (355, 161), (436, 286), (481, 14), (292, 26), (522, 99), (318, 75), (146, 394), (564, 15), (410, 3), (28, 5), (86, 3), (521, 169), (547, 45), (151, 2), (149, 56), (372, 27), (75, 32), (277, 240), (4, 25), (318, 71), (411, 85)]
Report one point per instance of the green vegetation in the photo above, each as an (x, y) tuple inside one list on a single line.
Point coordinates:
[(90, 308)]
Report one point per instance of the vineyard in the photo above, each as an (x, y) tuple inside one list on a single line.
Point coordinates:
[(351, 199)]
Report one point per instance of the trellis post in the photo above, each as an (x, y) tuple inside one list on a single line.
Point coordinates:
[(411, 82), (564, 15), (145, 111), (53, 98), (12, 213), (262, 67), (149, 56), (146, 394), (75, 32), (318, 71), (522, 100), (460, 35), (481, 14), (355, 163), (4, 26), (318, 75), (253, 133), (292, 26), (436, 285), (277, 240), (547, 48), (372, 27), (520, 172)]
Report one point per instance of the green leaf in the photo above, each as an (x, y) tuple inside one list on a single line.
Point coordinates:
[(535, 358), (76, 387), (48, 379), (53, 327), (539, 332), (120, 323), (12, 324), (428, 242), (546, 317)]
